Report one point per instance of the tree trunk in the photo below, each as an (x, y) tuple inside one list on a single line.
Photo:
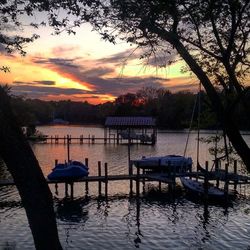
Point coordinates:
[(28, 177), (224, 117)]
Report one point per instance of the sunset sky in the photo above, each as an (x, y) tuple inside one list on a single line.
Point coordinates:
[(83, 67)]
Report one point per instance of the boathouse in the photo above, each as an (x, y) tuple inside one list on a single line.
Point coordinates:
[(131, 129)]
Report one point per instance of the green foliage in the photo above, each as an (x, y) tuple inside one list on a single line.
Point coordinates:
[(219, 148), (172, 110)]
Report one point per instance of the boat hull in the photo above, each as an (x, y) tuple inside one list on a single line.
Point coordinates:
[(197, 190)]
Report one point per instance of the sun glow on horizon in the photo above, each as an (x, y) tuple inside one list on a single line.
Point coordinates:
[(87, 68)]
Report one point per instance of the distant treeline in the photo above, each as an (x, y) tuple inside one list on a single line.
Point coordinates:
[(171, 110)]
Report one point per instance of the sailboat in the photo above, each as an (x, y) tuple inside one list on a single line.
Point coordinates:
[(199, 188)]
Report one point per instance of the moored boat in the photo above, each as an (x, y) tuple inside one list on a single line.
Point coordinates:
[(69, 171), (165, 163), (198, 189)]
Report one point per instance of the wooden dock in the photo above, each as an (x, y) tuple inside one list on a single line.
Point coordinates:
[(162, 177), (240, 179), (90, 139)]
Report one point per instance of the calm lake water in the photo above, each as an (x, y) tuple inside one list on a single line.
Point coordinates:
[(154, 221)]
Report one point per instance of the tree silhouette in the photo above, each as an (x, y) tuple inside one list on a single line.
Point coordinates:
[(29, 180), (212, 37)]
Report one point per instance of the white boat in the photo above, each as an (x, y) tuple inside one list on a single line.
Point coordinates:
[(168, 162)]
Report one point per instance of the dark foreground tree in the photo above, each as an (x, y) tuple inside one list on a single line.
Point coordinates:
[(211, 36), (30, 182)]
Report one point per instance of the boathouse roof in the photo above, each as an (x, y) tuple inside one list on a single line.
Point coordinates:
[(130, 121)]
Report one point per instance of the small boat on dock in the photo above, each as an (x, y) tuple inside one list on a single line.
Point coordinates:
[(198, 190), (166, 163), (69, 171)]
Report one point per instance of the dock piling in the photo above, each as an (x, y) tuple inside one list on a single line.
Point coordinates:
[(206, 181), (235, 172), (130, 172), (137, 180), (226, 179), (71, 190), (99, 183), (106, 178), (86, 183)]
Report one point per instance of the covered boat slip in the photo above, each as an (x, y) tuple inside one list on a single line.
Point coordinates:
[(131, 129)]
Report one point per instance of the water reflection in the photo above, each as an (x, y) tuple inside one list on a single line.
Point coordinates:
[(74, 211), (203, 220)]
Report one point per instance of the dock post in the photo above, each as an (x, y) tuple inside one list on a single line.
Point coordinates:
[(56, 185), (105, 135), (235, 173), (143, 182), (106, 178), (217, 170), (66, 189), (99, 183), (117, 137), (206, 181), (86, 183), (174, 180), (72, 190), (51, 139), (93, 139), (64, 140), (159, 166), (89, 139), (130, 172), (226, 180), (68, 153), (137, 180)]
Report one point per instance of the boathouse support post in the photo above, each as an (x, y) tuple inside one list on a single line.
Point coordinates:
[(106, 178), (99, 182), (235, 173), (86, 183)]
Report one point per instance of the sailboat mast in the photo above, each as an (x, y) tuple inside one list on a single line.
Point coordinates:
[(198, 124)]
